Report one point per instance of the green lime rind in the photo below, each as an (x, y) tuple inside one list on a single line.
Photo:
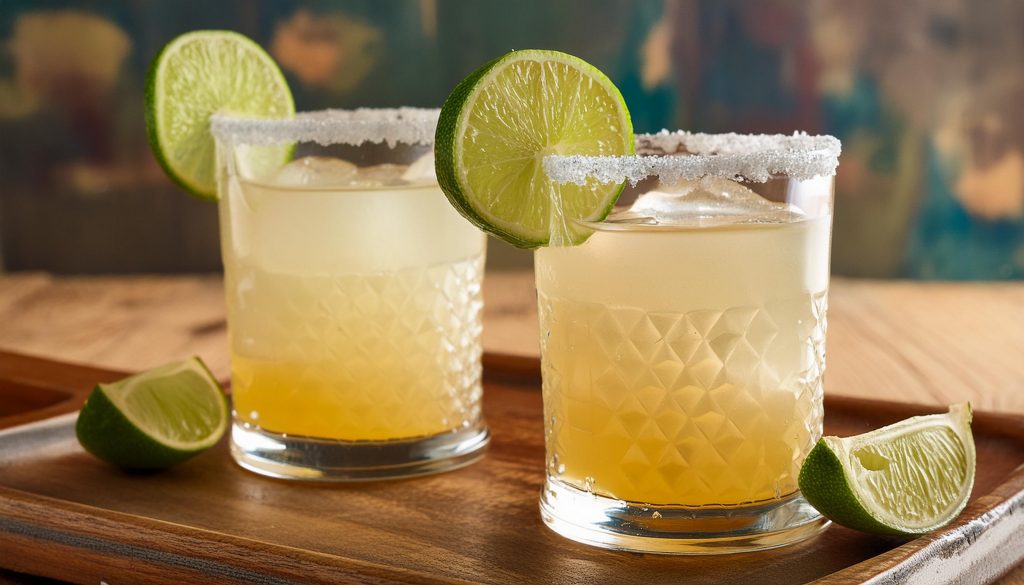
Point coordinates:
[(444, 150), (107, 427), (195, 76), (827, 490), (835, 482), (475, 202)]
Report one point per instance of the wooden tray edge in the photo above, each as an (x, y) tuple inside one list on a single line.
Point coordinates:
[(904, 562), (985, 541), (92, 541)]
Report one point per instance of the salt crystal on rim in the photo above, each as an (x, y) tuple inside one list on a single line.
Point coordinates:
[(690, 156), (390, 125)]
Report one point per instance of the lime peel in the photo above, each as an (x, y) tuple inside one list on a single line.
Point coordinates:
[(154, 419), (498, 124), (905, 479), (199, 74)]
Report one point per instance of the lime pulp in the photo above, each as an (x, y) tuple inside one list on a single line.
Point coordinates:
[(498, 124), (195, 76), (907, 478), (154, 419)]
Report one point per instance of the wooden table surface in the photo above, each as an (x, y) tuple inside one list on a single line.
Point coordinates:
[(931, 343)]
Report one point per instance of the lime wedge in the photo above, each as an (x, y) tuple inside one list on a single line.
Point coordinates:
[(199, 74), (154, 419), (499, 123), (907, 478)]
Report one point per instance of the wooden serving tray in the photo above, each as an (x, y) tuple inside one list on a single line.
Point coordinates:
[(66, 515)]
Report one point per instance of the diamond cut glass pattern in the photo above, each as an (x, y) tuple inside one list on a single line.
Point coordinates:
[(683, 346), (698, 408), (354, 301), (366, 357)]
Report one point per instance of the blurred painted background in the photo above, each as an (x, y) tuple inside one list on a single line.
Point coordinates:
[(926, 96)]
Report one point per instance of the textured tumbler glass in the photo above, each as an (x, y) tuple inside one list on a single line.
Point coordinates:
[(683, 346), (354, 298)]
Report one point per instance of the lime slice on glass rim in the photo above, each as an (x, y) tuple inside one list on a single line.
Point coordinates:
[(907, 478), (154, 419), (498, 124), (199, 74)]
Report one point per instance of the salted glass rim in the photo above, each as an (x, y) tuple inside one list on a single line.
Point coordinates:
[(681, 155), (413, 126)]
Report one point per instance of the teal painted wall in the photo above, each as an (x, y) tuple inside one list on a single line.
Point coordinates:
[(925, 96)]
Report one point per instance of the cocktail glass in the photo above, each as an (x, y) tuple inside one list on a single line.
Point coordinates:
[(683, 346), (353, 296)]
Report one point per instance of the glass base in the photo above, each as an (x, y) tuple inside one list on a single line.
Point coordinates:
[(616, 524), (290, 457)]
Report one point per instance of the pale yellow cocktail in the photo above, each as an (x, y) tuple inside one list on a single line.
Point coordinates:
[(335, 338), (354, 299), (682, 364), (682, 353)]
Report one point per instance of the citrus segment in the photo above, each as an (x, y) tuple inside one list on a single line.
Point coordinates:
[(195, 76), (907, 478), (499, 123), (154, 419)]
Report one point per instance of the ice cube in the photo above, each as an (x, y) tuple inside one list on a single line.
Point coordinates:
[(421, 171), (708, 201), (316, 171), (384, 175)]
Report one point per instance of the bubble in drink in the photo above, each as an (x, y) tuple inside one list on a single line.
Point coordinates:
[(316, 171)]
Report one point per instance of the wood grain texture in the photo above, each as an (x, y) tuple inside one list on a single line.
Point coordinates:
[(928, 343), (209, 521), (127, 323)]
